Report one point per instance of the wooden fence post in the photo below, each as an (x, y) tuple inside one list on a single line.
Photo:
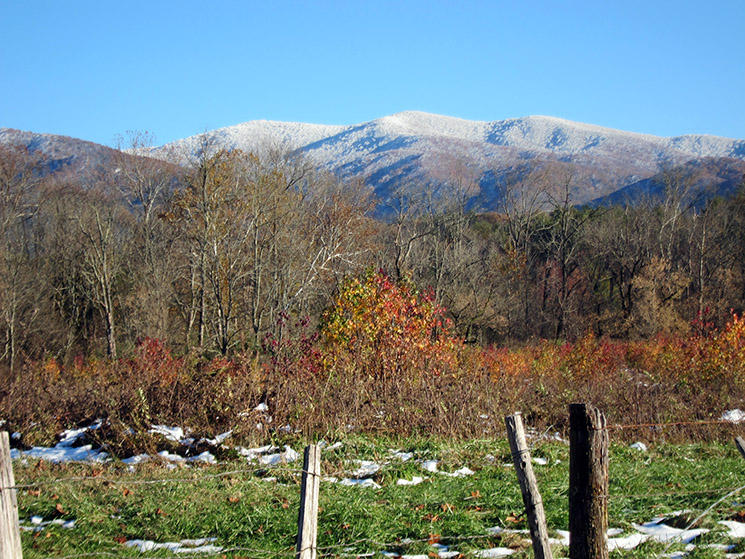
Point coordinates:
[(588, 483), (528, 486), (10, 532), (740, 443), (307, 524)]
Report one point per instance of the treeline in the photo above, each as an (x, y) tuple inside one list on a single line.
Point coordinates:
[(219, 254)]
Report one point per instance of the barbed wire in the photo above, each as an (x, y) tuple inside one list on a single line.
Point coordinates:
[(260, 473), (614, 427), (215, 552), (668, 494)]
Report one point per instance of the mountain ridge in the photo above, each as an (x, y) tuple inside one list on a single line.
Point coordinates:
[(522, 132), (413, 149)]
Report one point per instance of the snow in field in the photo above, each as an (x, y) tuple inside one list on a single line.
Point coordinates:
[(72, 447)]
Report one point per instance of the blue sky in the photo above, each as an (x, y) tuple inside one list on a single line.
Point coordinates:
[(95, 69)]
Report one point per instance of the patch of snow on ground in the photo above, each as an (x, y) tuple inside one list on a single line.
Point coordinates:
[(325, 446), (367, 468), (735, 529), (639, 446), (62, 453), (734, 416), (71, 436), (401, 455), (493, 552), (353, 482), (171, 433), (219, 439), (38, 524), (627, 542), (463, 472), (134, 460), (252, 454), (431, 466), (416, 480), (664, 533), (289, 455), (564, 536), (205, 456), (64, 450), (203, 545)]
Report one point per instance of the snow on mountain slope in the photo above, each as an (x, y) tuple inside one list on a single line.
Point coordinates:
[(415, 148), (534, 133), (60, 151), (259, 134)]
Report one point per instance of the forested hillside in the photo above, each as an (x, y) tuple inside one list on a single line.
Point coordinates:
[(233, 248)]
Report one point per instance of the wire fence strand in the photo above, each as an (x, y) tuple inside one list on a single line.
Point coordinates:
[(620, 427)]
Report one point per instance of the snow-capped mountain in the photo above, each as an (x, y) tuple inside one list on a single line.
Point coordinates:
[(415, 148)]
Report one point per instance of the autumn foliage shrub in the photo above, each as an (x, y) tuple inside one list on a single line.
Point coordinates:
[(706, 369), (392, 330), (387, 347)]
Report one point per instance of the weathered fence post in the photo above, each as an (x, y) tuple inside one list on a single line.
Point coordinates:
[(588, 483), (740, 443), (307, 523), (10, 533), (528, 486)]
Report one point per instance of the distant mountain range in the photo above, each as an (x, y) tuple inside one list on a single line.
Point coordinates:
[(414, 150)]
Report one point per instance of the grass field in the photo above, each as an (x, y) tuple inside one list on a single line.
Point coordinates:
[(243, 510)]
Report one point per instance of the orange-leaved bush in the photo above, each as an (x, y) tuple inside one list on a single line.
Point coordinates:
[(388, 329), (719, 360)]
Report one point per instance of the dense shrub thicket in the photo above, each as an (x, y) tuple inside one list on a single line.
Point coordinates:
[(386, 360)]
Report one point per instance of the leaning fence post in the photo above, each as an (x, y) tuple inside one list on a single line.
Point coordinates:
[(528, 486), (307, 523), (588, 483), (10, 532), (740, 443)]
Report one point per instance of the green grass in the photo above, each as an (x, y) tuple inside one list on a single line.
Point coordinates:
[(246, 511)]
